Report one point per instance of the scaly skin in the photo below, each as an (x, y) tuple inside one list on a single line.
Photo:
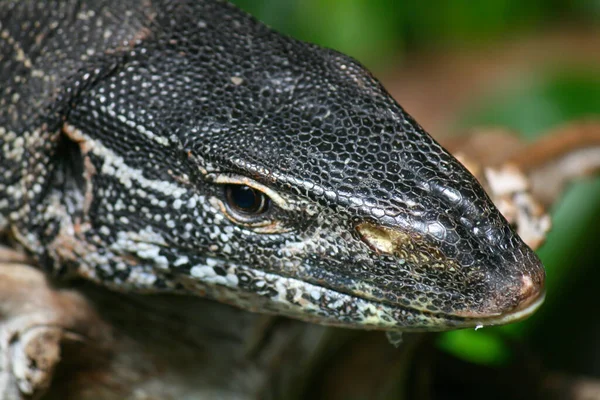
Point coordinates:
[(123, 124)]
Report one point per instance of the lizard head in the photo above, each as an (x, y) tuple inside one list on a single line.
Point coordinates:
[(229, 161)]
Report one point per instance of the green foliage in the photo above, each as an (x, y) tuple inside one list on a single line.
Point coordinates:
[(479, 346)]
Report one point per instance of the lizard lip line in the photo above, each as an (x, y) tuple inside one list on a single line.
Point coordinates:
[(532, 298), (383, 315), (520, 312), (316, 302)]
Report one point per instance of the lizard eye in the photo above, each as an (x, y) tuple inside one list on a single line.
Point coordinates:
[(245, 202)]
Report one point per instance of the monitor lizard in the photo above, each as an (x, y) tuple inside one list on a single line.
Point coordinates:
[(185, 147)]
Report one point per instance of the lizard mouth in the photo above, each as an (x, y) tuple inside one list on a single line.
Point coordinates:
[(392, 316), (256, 290)]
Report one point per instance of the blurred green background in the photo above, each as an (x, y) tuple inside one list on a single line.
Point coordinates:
[(387, 35), (378, 31)]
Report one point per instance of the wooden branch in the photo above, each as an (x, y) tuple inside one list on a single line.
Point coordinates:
[(566, 154), (37, 321), (99, 345), (525, 179)]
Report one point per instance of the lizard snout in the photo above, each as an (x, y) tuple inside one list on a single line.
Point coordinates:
[(514, 292), (501, 284)]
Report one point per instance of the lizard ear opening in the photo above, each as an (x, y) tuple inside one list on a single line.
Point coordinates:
[(69, 174)]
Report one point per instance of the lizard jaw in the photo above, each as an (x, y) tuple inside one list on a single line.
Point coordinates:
[(258, 291), (276, 294)]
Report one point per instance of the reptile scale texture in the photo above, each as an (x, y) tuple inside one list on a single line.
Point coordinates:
[(184, 147)]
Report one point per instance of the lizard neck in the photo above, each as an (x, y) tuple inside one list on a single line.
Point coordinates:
[(44, 77)]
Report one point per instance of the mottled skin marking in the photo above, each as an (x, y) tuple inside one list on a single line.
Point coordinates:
[(122, 121)]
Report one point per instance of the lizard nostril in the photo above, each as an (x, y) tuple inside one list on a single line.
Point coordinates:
[(527, 287), (531, 289)]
